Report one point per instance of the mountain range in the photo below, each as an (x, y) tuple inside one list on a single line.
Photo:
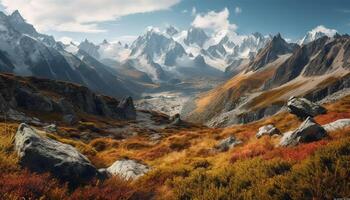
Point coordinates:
[(157, 59)]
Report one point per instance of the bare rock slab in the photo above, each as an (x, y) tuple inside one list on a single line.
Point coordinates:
[(337, 125), (128, 169), (304, 108), (308, 131), (40, 154), (269, 130)]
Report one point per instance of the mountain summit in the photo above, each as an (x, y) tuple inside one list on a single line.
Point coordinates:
[(316, 33), (276, 47)]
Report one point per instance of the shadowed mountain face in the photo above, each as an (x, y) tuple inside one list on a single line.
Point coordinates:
[(45, 95), (276, 47)]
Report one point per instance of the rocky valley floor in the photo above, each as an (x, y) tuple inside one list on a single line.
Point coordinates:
[(154, 157)]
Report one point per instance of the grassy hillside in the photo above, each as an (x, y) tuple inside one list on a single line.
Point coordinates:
[(186, 166)]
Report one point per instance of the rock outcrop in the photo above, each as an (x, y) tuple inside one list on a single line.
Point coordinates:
[(52, 128), (337, 125), (175, 120), (308, 131), (228, 143), (304, 108), (128, 169), (44, 95), (41, 155), (269, 130)]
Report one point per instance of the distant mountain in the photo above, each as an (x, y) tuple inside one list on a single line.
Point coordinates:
[(276, 47), (24, 51), (161, 56), (90, 48), (233, 49), (316, 33), (196, 36)]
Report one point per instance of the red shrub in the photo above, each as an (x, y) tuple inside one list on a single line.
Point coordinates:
[(297, 153), (26, 185), (114, 188), (251, 151), (331, 116)]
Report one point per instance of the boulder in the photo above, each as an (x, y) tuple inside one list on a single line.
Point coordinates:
[(175, 120), (337, 125), (227, 143), (41, 155), (304, 108), (308, 131), (155, 137), (267, 130), (128, 169), (127, 106), (52, 128)]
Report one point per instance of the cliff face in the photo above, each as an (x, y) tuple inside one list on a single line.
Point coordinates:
[(44, 95)]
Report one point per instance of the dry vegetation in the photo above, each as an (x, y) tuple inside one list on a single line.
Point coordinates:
[(185, 166)]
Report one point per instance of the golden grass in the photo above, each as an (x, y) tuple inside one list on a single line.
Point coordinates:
[(181, 153)]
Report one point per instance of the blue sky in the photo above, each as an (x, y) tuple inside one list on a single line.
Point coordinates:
[(121, 19)]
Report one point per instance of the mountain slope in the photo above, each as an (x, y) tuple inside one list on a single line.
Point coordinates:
[(27, 52), (276, 47), (315, 70)]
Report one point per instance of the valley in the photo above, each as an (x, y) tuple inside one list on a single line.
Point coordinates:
[(177, 113)]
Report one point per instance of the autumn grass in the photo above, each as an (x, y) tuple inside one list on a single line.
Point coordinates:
[(185, 164)]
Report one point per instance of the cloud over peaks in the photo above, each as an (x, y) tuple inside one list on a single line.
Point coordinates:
[(215, 21), (80, 15)]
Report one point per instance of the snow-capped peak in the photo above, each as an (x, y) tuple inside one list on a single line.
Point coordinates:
[(316, 33)]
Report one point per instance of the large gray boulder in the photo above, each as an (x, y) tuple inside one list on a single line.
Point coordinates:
[(308, 131), (128, 169), (337, 125), (304, 108), (40, 154), (227, 143), (269, 130)]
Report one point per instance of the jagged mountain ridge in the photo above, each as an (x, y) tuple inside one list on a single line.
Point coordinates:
[(27, 52)]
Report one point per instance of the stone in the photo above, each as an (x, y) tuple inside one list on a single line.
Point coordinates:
[(128, 169), (40, 154), (127, 106), (304, 108), (175, 120), (228, 143), (337, 125), (308, 131), (155, 137), (267, 130), (52, 128)]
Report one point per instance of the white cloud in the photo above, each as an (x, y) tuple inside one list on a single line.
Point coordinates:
[(215, 21), (238, 10), (80, 15), (194, 11), (184, 11)]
